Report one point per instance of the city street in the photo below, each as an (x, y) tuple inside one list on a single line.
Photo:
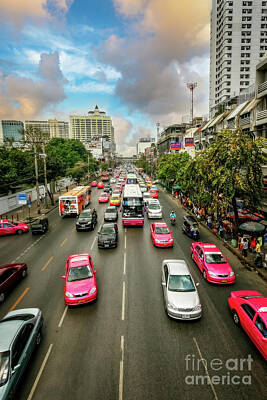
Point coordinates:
[(124, 346)]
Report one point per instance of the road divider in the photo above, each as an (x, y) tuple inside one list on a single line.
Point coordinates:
[(40, 372), (19, 299), (47, 263)]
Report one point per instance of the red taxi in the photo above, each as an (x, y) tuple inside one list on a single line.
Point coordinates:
[(80, 282), (212, 264), (161, 235), (249, 309), (103, 198), (94, 184), (12, 228)]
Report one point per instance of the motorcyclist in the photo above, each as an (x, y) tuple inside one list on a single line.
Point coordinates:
[(172, 215)]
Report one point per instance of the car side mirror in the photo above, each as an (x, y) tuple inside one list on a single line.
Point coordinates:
[(95, 271), (197, 284), (170, 231), (163, 283), (227, 258), (63, 277), (15, 368)]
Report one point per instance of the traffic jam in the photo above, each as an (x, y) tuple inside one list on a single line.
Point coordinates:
[(135, 199)]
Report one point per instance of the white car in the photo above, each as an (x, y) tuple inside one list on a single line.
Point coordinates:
[(154, 209), (181, 300), (113, 180), (143, 187), (146, 197)]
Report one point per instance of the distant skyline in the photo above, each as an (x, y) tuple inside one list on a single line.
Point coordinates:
[(132, 58)]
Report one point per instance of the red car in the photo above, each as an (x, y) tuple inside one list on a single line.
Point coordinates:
[(12, 228), (161, 235), (103, 198), (94, 184), (249, 309), (100, 185), (10, 274), (80, 282), (212, 264), (119, 187), (153, 193)]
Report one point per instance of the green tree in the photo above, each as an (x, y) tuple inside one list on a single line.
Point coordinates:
[(77, 172), (171, 168)]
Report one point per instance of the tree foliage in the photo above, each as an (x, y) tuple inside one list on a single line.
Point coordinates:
[(171, 168)]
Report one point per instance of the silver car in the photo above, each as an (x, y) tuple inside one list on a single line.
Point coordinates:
[(154, 209), (181, 300)]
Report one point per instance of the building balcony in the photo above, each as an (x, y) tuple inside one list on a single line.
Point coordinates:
[(245, 121), (262, 89), (261, 117)]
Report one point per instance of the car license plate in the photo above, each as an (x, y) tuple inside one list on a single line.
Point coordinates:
[(80, 301), (106, 245), (186, 316), (224, 280)]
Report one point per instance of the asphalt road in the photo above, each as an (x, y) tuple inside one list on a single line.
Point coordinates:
[(124, 346)]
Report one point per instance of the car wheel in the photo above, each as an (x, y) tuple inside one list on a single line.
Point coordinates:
[(77, 230), (19, 232), (38, 338), (2, 297), (236, 318), (24, 273), (205, 275)]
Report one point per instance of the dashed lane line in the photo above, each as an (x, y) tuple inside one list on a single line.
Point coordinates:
[(63, 243), (63, 317), (121, 369), (123, 302), (124, 264), (19, 299), (47, 263)]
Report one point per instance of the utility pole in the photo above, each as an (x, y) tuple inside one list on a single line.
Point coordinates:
[(191, 87), (37, 179), (45, 175)]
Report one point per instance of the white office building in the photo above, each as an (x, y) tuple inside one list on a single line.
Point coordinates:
[(53, 127), (238, 39)]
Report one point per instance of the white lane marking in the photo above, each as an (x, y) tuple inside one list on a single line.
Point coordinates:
[(40, 372), (63, 317), (121, 369), (206, 369), (124, 264), (125, 242), (123, 302), (93, 243)]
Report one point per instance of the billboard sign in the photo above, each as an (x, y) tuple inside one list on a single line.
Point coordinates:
[(189, 142), (175, 146)]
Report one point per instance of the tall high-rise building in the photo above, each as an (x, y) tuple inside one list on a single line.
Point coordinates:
[(11, 130), (238, 39), (53, 127), (93, 126)]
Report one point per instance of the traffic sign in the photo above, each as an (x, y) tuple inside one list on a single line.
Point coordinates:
[(22, 198)]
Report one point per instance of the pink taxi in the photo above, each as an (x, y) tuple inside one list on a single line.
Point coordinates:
[(103, 198), (249, 309), (161, 235), (94, 184), (12, 228), (212, 264), (80, 282)]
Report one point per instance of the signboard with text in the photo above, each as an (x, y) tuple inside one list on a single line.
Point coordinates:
[(189, 142), (175, 146), (22, 198)]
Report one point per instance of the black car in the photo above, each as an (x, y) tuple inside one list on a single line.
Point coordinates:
[(107, 189), (190, 227), (108, 236), (86, 220), (39, 225), (111, 214)]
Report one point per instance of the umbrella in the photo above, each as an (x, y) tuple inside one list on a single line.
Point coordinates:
[(252, 227)]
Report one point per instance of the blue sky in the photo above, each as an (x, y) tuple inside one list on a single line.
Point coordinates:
[(131, 57)]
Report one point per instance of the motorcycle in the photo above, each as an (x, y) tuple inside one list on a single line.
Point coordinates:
[(173, 220)]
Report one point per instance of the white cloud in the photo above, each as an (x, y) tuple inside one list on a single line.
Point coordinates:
[(90, 87)]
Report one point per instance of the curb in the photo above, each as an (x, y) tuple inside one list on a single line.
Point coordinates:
[(243, 260)]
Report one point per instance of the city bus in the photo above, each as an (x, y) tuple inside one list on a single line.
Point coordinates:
[(131, 178), (132, 206), (74, 201)]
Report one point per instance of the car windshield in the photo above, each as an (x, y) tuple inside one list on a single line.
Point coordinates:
[(153, 206), (107, 230), (215, 258), (79, 273), (110, 211), (181, 283), (115, 198), (4, 367), (162, 230), (86, 214)]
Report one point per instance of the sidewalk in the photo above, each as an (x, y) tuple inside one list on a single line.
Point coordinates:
[(25, 213), (248, 262)]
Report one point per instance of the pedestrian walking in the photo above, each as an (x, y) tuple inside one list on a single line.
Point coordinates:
[(258, 258), (253, 243), (209, 221), (221, 231)]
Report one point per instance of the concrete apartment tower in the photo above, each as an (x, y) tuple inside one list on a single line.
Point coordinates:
[(238, 39)]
